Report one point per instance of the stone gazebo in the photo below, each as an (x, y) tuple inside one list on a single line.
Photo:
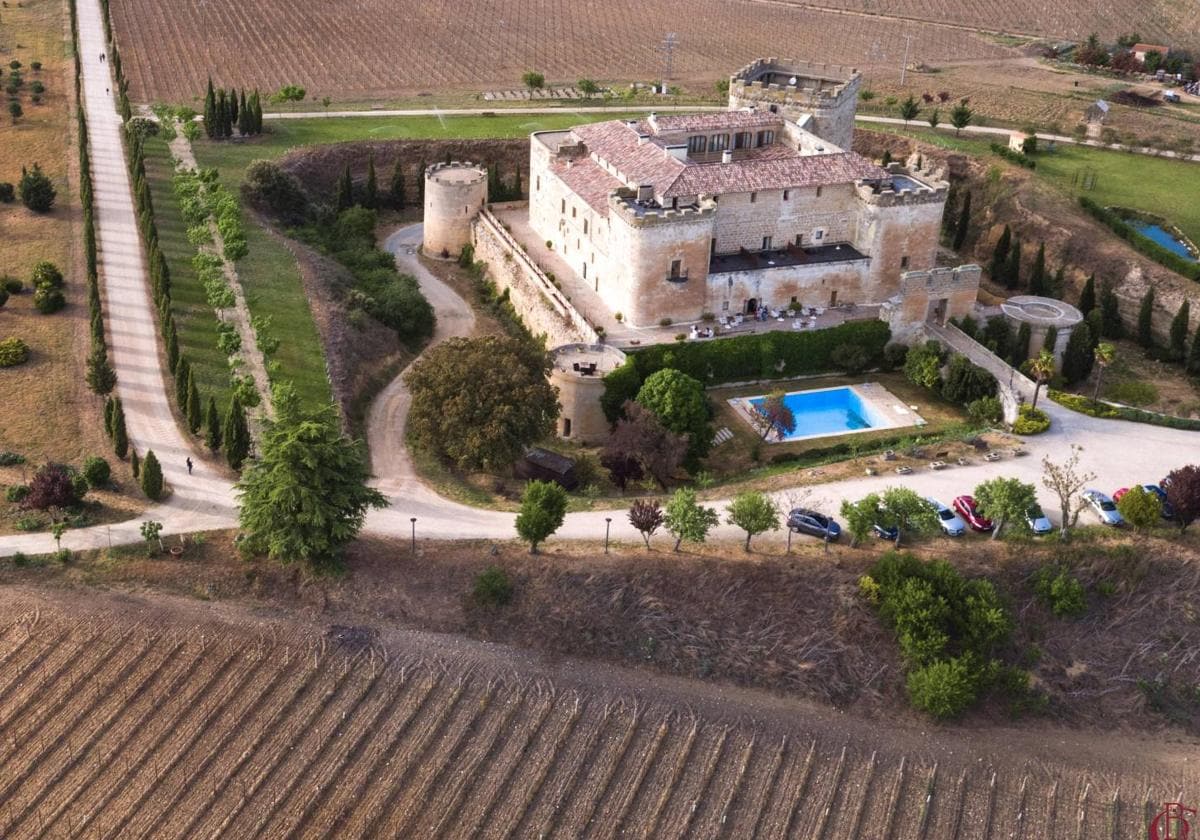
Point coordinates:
[(1041, 313)]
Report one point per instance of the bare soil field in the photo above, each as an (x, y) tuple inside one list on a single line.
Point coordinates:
[(375, 50), (126, 717)]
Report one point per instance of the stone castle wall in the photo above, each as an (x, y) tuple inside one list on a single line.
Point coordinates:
[(935, 295), (827, 91)]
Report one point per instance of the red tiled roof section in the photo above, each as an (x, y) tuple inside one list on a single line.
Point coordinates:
[(588, 180), (716, 121), (773, 174), (617, 143), (1158, 48)]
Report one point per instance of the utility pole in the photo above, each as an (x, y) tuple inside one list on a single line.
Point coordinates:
[(904, 66), (668, 50)]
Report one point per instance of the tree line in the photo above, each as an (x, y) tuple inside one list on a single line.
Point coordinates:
[(224, 109)]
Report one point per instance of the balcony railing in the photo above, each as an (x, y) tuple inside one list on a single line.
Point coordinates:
[(677, 278)]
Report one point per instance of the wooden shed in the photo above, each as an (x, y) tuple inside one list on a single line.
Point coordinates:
[(545, 465)]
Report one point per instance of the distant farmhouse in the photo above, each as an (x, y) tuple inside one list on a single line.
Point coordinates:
[(1140, 51)]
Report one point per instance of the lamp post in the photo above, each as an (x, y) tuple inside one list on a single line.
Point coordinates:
[(413, 520), (607, 525)]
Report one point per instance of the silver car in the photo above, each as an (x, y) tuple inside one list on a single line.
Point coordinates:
[(1104, 507), (1035, 517), (949, 521)]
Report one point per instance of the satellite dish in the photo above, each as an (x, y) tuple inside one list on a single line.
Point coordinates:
[(792, 81)]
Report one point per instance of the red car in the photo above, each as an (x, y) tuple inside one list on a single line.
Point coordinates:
[(964, 506), (1116, 497)]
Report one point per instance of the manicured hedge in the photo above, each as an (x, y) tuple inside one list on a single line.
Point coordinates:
[(773, 355), (1084, 405), (1019, 158), (1140, 242)]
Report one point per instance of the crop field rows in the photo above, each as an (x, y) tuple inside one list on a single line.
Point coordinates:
[(133, 732), (369, 50)]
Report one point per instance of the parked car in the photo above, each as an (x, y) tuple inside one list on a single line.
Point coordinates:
[(885, 532), (1038, 523), (1104, 507), (805, 521), (948, 519), (1168, 512), (965, 507)]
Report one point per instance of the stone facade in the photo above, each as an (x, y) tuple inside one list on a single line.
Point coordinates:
[(454, 194), (825, 96), (936, 295), (580, 417)]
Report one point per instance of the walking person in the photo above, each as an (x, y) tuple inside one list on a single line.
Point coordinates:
[(189, 465)]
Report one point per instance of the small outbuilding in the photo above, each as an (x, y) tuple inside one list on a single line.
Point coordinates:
[(1097, 112), (544, 465)]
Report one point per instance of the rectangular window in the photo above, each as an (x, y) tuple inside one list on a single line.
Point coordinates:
[(676, 267), (766, 243), (818, 235), (766, 138), (904, 262), (573, 210), (563, 207), (818, 192), (719, 142), (697, 145), (585, 226), (743, 140), (799, 238), (753, 197), (787, 194), (724, 306), (538, 185)]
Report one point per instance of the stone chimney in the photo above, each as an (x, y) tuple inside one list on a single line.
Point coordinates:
[(727, 156)]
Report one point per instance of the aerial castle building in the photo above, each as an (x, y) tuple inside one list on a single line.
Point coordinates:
[(676, 216)]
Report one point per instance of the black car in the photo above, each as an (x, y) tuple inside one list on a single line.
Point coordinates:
[(885, 532), (804, 521)]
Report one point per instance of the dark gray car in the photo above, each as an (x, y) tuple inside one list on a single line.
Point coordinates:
[(805, 521)]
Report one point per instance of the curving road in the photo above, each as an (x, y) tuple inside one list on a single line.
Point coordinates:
[(1119, 453)]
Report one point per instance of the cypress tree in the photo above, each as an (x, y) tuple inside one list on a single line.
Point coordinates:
[(1059, 285), (245, 118), (1000, 256), (235, 434), (1145, 326), (172, 345), (234, 110), (110, 406), (100, 376), (396, 188), (210, 110), (230, 105), (1193, 359), (1078, 357), (371, 192), (1051, 339), (120, 435), (1012, 269), (516, 185), (1037, 279), (1020, 351), (182, 371), (1177, 348), (135, 463), (258, 118), (345, 191), (212, 423), (1087, 298), (1095, 322), (222, 112), (152, 479), (964, 223), (421, 182), (1110, 308), (194, 412)]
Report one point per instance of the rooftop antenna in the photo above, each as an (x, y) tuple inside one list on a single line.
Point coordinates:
[(668, 50)]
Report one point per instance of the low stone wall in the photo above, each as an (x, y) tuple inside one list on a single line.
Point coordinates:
[(541, 305)]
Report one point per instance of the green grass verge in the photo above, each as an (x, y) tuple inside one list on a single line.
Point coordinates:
[(195, 321)]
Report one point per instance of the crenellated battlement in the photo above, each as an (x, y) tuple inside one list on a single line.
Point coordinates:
[(797, 89), (907, 188), (640, 214)]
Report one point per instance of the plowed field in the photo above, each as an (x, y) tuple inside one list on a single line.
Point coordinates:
[(123, 719)]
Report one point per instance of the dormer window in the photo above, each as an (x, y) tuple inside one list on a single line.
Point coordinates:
[(718, 142), (697, 145)]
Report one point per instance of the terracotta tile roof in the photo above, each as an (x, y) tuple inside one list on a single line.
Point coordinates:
[(645, 163), (716, 120), (590, 181), (1137, 48)]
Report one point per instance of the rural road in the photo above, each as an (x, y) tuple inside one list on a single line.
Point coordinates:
[(206, 501)]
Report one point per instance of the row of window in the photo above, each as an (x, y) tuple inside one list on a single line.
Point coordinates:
[(701, 144)]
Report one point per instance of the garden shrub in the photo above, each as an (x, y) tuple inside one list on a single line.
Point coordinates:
[(96, 471), (945, 688), (11, 284), (13, 351), (1085, 405), (1031, 421), (493, 587), (16, 493), (11, 459), (52, 486), (986, 411), (1132, 392), (46, 274), (967, 382), (48, 300), (923, 365), (8, 193), (894, 355), (1062, 593)]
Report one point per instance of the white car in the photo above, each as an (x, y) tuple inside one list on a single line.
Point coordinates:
[(950, 522), (1035, 517), (1104, 507)]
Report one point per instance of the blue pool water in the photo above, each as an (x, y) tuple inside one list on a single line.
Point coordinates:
[(827, 411), (1162, 237)]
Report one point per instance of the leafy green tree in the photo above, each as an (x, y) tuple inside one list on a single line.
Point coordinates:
[(641, 444), (1183, 492), (152, 533), (100, 376), (35, 188), (1078, 357), (907, 511), (1177, 347), (1110, 308), (935, 118), (1005, 500), (15, 110), (1037, 277), (944, 689), (909, 109), (964, 224), (1139, 507), (687, 519), (235, 434), (773, 415), (1145, 327), (679, 402), (647, 517), (152, 477), (543, 507), (588, 87), (481, 401), (1000, 256), (306, 497), (966, 382), (1087, 298), (120, 436), (371, 191), (396, 187), (753, 512), (923, 364), (960, 117), (212, 425), (861, 516), (533, 80)]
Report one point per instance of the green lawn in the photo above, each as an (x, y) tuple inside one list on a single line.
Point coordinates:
[(195, 321), (231, 159)]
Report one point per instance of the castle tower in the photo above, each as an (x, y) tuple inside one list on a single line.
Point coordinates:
[(820, 98), (455, 192)]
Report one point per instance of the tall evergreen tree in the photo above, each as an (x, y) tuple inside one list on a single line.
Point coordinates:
[(1000, 256), (100, 376), (235, 434), (1145, 325), (1110, 308), (1087, 298), (396, 187), (212, 425), (345, 191), (371, 191), (110, 408), (119, 434), (182, 371), (1177, 348), (1058, 286), (1012, 267), (222, 112), (1193, 359), (1037, 278), (234, 109), (194, 411), (1095, 322), (245, 120), (1078, 357), (1020, 350), (1050, 342), (172, 345), (210, 110), (515, 195), (495, 189), (964, 223), (258, 116), (135, 463), (421, 182), (152, 477)]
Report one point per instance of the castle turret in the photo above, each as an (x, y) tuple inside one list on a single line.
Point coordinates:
[(455, 192), (822, 98)]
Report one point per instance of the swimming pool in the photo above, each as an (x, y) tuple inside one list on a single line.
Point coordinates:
[(828, 411), (1157, 233)]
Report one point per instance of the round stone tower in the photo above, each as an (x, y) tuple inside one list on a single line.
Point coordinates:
[(578, 373), (455, 192)]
